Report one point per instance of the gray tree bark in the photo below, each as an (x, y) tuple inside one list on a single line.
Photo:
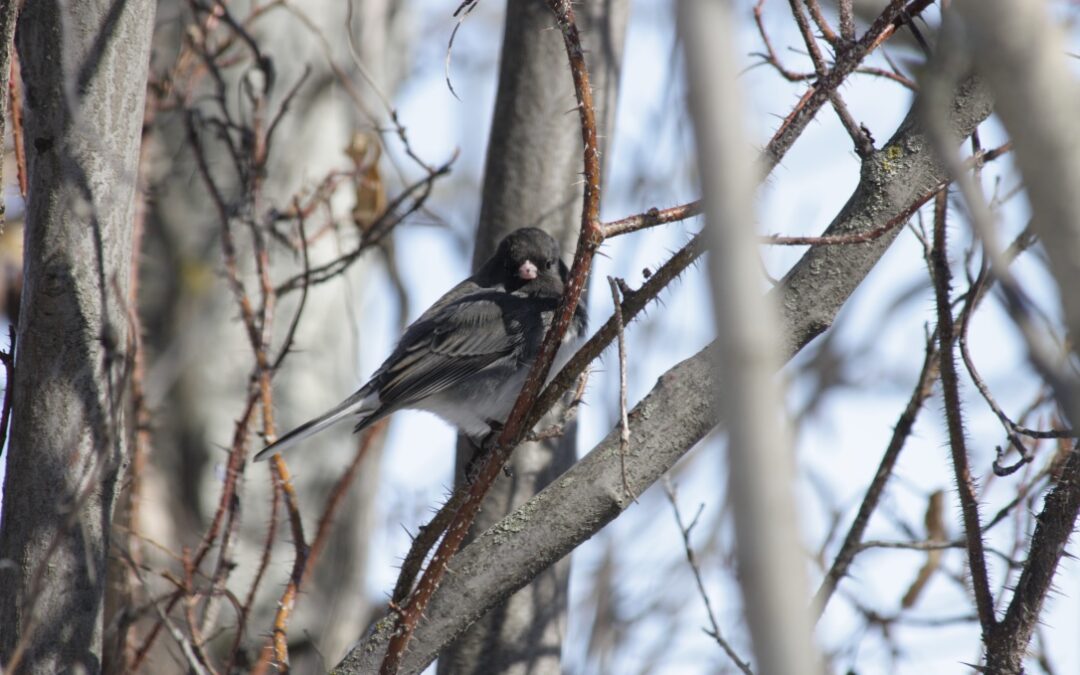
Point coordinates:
[(680, 410), (532, 178), (84, 66)]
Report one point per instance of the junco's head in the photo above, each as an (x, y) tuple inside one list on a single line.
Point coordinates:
[(523, 256)]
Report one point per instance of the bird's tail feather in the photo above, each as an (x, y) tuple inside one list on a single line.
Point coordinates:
[(356, 404)]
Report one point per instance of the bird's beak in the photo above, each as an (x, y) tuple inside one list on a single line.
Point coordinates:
[(527, 271)]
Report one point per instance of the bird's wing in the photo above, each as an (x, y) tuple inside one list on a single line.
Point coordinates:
[(454, 343)]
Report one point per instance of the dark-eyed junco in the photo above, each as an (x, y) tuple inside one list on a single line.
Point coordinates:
[(466, 358)]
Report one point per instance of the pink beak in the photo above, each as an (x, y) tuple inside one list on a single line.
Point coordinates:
[(527, 271)]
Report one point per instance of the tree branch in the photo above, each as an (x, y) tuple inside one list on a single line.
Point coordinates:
[(677, 413)]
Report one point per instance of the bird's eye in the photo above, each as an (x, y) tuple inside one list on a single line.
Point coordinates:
[(550, 264)]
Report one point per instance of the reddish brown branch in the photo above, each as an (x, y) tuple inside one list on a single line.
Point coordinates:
[(17, 136), (651, 218), (516, 427), (422, 544), (264, 562), (283, 482), (277, 649), (859, 237)]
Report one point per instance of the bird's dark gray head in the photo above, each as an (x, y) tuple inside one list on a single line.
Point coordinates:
[(523, 255)]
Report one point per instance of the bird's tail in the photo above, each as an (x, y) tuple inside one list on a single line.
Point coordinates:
[(357, 404)]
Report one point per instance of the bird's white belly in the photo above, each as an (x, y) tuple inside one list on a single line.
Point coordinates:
[(490, 396)]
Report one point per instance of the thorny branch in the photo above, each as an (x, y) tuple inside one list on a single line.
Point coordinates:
[(851, 545), (895, 15), (969, 504), (516, 428)]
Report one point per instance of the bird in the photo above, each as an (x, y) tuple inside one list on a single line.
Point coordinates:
[(468, 355)]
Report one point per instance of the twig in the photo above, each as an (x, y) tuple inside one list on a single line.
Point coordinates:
[(770, 56), (822, 24), (847, 20), (655, 216), (935, 530), (892, 17), (290, 334), (893, 75), (859, 237), (1012, 430), (864, 146), (422, 544), (684, 530), (378, 230), (460, 15), (264, 562), (278, 647), (651, 218), (852, 541), (283, 482), (632, 304), (969, 505), (927, 545), (569, 413), (624, 423)]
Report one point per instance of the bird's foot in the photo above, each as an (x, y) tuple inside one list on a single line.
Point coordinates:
[(482, 448), (492, 436), (472, 468)]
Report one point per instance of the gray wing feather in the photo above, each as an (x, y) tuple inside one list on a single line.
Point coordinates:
[(478, 331)]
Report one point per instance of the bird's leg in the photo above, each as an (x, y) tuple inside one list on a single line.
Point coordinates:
[(496, 428), (481, 447), (472, 467), (489, 443)]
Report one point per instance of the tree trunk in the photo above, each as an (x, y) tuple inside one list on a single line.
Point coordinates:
[(85, 67), (532, 178)]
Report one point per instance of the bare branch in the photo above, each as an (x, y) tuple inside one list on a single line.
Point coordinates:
[(969, 504)]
